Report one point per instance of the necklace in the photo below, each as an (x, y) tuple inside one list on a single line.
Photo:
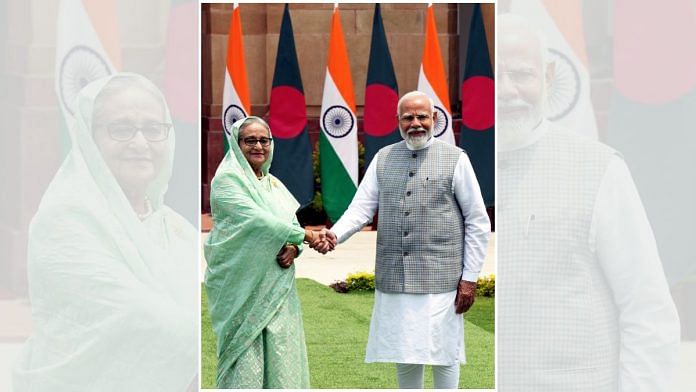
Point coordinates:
[(148, 210)]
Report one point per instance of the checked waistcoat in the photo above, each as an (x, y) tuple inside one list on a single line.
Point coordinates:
[(420, 235), (558, 324)]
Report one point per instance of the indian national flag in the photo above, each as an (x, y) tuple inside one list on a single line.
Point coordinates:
[(87, 48), (235, 99), (568, 102), (338, 141), (432, 80)]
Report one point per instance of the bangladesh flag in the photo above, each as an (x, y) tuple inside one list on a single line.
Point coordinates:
[(292, 154), (381, 94), (478, 91)]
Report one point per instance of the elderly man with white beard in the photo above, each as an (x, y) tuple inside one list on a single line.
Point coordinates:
[(583, 304), (431, 242)]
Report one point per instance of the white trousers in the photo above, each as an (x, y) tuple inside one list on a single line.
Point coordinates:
[(410, 376)]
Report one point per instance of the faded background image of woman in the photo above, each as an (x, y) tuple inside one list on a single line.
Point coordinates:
[(112, 270)]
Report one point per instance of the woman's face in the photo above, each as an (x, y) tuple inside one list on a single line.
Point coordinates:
[(256, 154), (130, 131)]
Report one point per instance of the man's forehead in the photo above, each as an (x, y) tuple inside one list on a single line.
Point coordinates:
[(519, 65), (519, 54), (416, 103)]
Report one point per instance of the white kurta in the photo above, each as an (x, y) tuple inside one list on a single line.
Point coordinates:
[(621, 237), (421, 328)]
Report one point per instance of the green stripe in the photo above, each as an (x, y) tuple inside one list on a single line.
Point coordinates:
[(225, 143), (337, 188)]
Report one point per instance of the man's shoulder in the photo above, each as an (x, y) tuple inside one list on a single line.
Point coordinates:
[(565, 137), (398, 145), (386, 150), (450, 148)]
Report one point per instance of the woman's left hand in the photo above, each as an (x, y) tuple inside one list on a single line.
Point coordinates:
[(286, 256)]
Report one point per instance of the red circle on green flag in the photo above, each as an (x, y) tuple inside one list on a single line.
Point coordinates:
[(288, 116), (380, 110), (477, 103)]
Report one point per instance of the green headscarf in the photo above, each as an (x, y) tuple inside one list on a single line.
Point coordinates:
[(113, 296), (253, 219)]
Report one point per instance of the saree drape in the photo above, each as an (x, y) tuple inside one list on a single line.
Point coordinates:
[(252, 301)]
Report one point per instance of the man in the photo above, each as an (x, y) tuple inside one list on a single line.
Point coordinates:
[(431, 243), (583, 303)]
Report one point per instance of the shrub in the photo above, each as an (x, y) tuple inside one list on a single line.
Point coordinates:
[(365, 281), (485, 286), (339, 286), (361, 281)]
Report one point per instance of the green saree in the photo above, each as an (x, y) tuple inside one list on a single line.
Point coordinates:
[(253, 302)]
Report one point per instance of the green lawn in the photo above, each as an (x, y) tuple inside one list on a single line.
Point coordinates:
[(336, 328)]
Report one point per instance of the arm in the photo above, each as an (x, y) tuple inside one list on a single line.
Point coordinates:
[(621, 236), (290, 251), (299, 246), (363, 206), (476, 226), (229, 199)]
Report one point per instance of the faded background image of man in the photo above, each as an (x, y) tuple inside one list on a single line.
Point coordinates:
[(583, 300)]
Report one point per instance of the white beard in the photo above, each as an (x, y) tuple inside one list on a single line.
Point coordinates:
[(416, 142), (515, 129)]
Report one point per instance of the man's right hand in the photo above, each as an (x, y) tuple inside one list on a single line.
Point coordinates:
[(324, 241), (466, 293)]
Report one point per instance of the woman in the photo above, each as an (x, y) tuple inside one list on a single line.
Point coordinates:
[(252, 300), (111, 268)]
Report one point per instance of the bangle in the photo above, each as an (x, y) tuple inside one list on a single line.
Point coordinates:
[(311, 237)]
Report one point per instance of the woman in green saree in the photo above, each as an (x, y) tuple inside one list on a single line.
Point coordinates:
[(250, 279)]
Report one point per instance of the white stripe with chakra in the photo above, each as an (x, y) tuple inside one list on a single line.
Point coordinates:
[(230, 97), (345, 142), (443, 113)]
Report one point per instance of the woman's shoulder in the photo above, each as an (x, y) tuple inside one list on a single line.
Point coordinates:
[(177, 223), (276, 183), (227, 176)]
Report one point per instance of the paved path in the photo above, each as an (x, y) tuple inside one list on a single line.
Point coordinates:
[(355, 255)]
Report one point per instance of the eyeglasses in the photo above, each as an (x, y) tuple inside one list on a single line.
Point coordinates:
[(410, 117), (154, 132), (251, 141), (520, 76)]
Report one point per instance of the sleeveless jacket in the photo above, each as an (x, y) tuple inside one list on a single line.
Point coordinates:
[(558, 324), (420, 235)]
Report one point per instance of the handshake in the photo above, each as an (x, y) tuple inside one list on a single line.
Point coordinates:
[(322, 241)]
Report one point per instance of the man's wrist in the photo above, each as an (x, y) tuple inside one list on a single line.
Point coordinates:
[(470, 276)]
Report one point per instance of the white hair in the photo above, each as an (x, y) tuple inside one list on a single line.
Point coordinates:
[(254, 120), (520, 23), (411, 95)]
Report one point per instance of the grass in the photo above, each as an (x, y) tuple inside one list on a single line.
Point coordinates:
[(336, 328)]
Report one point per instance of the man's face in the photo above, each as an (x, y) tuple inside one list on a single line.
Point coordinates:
[(521, 82), (416, 121), (129, 130)]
